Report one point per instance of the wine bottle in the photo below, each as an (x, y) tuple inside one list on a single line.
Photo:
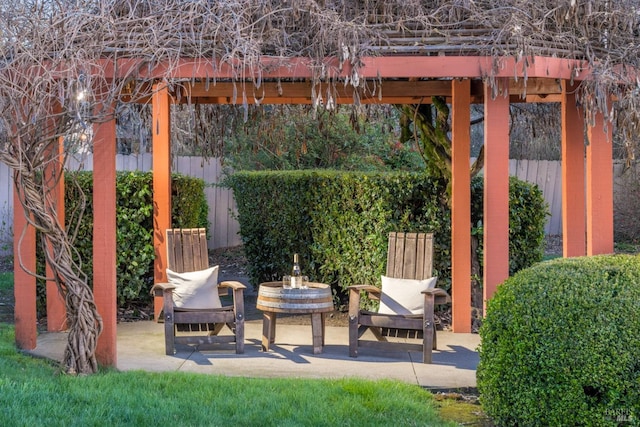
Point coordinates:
[(296, 273)]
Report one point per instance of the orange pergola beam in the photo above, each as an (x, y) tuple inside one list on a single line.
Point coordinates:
[(24, 288), (161, 133), (372, 67), (496, 187), (461, 205), (104, 238), (573, 170), (599, 187)]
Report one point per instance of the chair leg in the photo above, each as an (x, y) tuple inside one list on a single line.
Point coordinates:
[(238, 310), (353, 336), (169, 334), (169, 326), (354, 310), (428, 329), (239, 332)]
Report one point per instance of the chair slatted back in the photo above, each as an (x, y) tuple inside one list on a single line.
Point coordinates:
[(187, 249), (410, 255)]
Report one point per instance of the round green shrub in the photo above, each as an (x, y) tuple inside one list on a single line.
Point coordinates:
[(560, 345)]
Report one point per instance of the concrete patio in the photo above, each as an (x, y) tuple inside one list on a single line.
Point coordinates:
[(140, 346)]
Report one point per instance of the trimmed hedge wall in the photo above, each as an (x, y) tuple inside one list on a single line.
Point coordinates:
[(338, 222), (134, 222), (561, 344)]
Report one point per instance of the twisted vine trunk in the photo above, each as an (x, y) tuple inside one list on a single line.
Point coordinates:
[(84, 321)]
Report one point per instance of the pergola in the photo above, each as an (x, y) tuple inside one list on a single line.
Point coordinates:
[(587, 181)]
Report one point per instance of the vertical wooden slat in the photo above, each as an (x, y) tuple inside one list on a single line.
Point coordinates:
[(420, 256), (428, 256), (399, 255), (409, 252), (187, 250), (203, 255), (391, 254)]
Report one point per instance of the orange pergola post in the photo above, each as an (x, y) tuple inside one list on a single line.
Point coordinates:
[(104, 238), (461, 205), (599, 188), (56, 311), (573, 183), (24, 288), (161, 184), (496, 187)]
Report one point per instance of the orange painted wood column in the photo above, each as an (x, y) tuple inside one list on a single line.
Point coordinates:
[(573, 170), (161, 117), (496, 187), (56, 310), (104, 238), (599, 188), (461, 205), (24, 288)]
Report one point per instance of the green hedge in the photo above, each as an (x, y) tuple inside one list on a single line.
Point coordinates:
[(134, 222), (338, 222), (560, 345)]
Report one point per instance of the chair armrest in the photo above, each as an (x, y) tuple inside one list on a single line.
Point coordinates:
[(223, 287), (440, 295), (159, 289), (373, 291), (354, 298), (238, 297), (231, 284)]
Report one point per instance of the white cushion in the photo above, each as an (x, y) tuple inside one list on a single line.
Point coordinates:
[(195, 289), (403, 296)]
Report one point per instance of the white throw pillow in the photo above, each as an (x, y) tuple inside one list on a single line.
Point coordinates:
[(195, 289), (403, 296)]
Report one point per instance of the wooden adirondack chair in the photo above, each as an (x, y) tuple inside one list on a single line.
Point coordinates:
[(410, 256), (187, 252)]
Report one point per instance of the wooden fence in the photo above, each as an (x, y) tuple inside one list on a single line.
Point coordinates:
[(224, 228)]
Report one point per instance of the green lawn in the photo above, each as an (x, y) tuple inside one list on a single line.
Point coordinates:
[(34, 392)]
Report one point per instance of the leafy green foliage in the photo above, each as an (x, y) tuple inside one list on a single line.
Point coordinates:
[(134, 221), (189, 208), (338, 222), (6, 281), (135, 253), (560, 344)]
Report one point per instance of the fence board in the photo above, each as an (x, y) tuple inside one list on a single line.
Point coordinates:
[(6, 209), (522, 170), (554, 178)]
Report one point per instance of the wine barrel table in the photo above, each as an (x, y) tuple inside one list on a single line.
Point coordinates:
[(315, 300)]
